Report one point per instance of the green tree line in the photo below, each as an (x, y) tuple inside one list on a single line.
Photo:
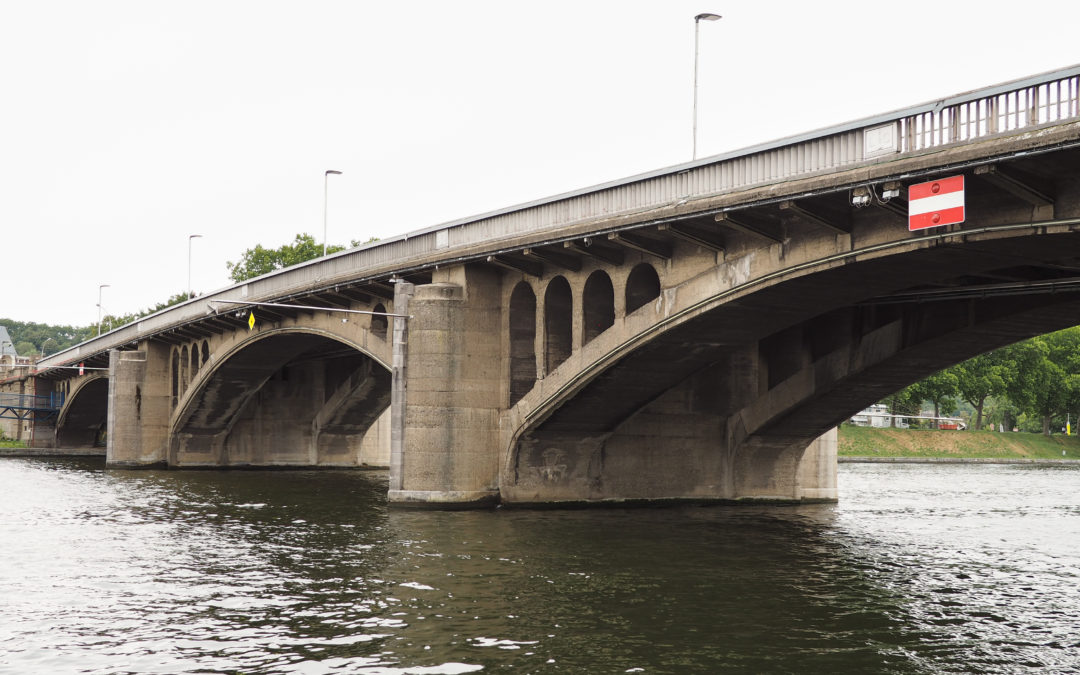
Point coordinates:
[(32, 339), (1032, 385), (36, 339)]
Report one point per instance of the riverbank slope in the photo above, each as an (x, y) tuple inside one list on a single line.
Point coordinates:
[(918, 443)]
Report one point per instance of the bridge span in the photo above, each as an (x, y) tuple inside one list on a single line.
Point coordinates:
[(692, 333)]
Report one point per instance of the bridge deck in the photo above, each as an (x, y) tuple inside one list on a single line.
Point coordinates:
[(681, 198)]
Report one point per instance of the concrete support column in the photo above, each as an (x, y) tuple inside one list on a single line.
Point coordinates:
[(403, 292), (816, 479), (449, 454), (139, 406)]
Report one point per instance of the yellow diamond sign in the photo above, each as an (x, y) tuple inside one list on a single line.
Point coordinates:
[(251, 321)]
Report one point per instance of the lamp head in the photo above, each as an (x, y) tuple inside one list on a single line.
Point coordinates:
[(706, 16)]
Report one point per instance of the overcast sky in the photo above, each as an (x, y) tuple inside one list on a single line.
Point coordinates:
[(125, 127)]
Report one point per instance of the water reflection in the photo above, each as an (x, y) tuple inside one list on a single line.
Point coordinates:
[(918, 569)]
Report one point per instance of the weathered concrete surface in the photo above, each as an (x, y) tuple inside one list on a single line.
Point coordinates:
[(455, 389), (138, 417), (52, 452), (285, 396)]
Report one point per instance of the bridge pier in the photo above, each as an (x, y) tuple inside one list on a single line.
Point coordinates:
[(139, 398), (816, 479), (453, 392)]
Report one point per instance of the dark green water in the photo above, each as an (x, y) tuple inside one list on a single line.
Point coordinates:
[(919, 569)]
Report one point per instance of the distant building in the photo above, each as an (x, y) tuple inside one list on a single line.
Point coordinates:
[(7, 347), (9, 360), (878, 415)]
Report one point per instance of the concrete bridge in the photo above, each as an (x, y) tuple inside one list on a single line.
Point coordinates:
[(692, 333)]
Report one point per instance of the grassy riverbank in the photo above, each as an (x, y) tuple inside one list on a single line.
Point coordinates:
[(7, 443), (870, 442)]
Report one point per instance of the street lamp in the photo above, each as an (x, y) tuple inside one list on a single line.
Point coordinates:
[(191, 293), (45, 343), (326, 180), (697, 23), (99, 306)]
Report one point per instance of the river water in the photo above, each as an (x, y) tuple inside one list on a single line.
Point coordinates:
[(918, 569)]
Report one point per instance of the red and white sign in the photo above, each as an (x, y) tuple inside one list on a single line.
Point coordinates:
[(82, 367), (936, 203)]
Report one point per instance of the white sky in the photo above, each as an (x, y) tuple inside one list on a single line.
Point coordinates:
[(127, 126)]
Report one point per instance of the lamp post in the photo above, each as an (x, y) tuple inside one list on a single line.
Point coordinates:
[(45, 343), (99, 306), (697, 23), (190, 292), (326, 180)]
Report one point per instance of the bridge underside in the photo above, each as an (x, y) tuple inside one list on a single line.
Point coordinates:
[(286, 398), (293, 399), (725, 404)]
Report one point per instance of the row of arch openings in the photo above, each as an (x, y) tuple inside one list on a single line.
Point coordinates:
[(598, 314), (186, 362)]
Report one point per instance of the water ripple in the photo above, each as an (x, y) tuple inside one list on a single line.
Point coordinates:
[(918, 570)]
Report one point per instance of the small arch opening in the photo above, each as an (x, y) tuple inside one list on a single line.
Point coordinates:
[(558, 323), (185, 373), (522, 341), (195, 363), (379, 323), (175, 377), (642, 286), (598, 305)]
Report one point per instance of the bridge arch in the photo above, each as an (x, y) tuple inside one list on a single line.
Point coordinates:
[(283, 397), (82, 422), (717, 390)]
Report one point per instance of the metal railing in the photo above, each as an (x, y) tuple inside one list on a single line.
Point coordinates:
[(966, 120), (26, 406)]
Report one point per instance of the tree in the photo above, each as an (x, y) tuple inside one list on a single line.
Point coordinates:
[(904, 402), (1033, 382), (39, 335), (257, 261), (977, 379), (109, 322), (939, 389)]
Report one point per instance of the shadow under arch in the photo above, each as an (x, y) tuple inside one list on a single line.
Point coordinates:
[(286, 397), (82, 422)]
